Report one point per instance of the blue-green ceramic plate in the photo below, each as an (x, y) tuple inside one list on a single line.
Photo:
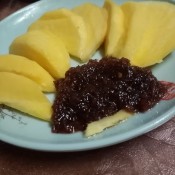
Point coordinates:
[(21, 130)]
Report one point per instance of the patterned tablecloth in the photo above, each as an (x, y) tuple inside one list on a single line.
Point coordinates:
[(150, 154)]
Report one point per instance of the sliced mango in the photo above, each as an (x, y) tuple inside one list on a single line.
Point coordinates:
[(57, 14), (98, 126), (150, 29), (72, 31), (95, 19), (116, 28), (25, 95), (23, 66), (44, 48)]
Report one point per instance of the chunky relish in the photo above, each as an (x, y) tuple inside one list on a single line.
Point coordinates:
[(101, 88)]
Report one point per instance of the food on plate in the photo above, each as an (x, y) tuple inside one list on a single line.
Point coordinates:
[(101, 93), (106, 122), (72, 31), (77, 28), (25, 95), (45, 49), (28, 68), (96, 90), (149, 29), (57, 14), (95, 19), (116, 28)]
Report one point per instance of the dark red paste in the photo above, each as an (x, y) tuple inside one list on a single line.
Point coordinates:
[(99, 89)]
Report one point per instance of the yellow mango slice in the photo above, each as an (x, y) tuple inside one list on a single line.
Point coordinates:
[(95, 19), (23, 66), (25, 95), (116, 28), (150, 29), (72, 31), (44, 48), (106, 122), (57, 14)]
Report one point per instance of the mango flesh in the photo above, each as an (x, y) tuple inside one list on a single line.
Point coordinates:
[(71, 31), (44, 48), (95, 19), (116, 28), (28, 68), (25, 95), (106, 122), (150, 29), (57, 14)]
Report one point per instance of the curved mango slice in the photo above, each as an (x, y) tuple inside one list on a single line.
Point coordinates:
[(44, 48), (28, 68), (57, 14), (106, 122), (95, 19), (71, 31), (115, 33), (150, 32), (25, 95)]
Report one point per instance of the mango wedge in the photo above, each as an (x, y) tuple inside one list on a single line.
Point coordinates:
[(98, 126), (95, 19), (116, 28), (71, 31), (28, 68), (57, 14), (150, 32), (44, 48), (25, 95)]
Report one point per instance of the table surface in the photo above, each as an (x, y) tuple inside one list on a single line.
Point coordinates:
[(150, 154)]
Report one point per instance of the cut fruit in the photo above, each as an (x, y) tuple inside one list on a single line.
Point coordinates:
[(98, 126), (44, 48), (116, 29), (95, 19), (25, 95), (149, 30), (72, 31), (28, 68), (57, 14)]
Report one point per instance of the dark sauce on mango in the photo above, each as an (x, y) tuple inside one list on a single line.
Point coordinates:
[(101, 88)]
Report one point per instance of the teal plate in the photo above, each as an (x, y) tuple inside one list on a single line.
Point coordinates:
[(24, 131)]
